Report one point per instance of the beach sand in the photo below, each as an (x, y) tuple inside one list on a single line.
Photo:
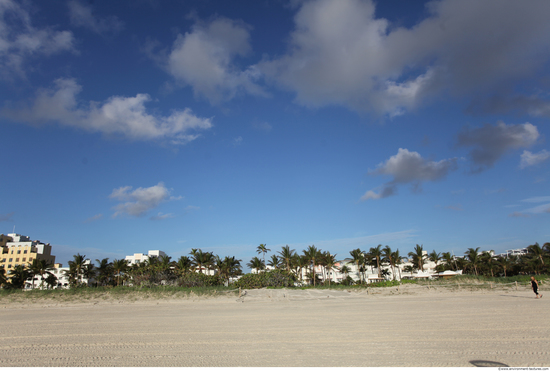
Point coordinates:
[(414, 326)]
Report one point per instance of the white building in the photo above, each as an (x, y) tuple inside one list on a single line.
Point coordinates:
[(371, 273), (140, 258), (62, 275)]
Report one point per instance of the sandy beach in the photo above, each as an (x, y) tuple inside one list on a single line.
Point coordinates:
[(411, 327)]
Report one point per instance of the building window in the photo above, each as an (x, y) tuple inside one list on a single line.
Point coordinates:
[(11, 259), (19, 251), (24, 259), (30, 259), (24, 252), (16, 260), (12, 251), (9, 265)]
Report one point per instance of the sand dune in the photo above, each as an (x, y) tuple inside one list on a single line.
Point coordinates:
[(411, 327)]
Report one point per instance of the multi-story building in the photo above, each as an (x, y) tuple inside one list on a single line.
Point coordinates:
[(140, 258), (20, 250)]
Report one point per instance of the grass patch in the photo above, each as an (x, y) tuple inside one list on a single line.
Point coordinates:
[(119, 293)]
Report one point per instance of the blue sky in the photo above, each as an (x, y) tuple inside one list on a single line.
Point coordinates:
[(130, 126)]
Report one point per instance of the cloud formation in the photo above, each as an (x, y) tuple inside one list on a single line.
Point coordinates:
[(531, 159), (6, 217), (139, 201), (544, 206), (341, 53), (81, 15), (408, 168), (491, 142), (533, 105), (205, 59), (162, 216), (20, 40), (93, 218), (126, 116)]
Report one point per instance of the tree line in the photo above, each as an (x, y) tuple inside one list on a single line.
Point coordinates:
[(313, 266)]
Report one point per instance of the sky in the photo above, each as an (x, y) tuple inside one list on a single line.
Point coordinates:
[(140, 125)]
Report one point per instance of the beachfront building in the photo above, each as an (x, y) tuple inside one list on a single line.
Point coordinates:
[(515, 252), (62, 278), (20, 250), (140, 258), (369, 274)]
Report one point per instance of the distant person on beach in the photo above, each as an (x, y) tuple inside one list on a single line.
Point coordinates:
[(535, 286)]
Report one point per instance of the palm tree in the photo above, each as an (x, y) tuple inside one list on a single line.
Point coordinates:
[(262, 249), (504, 262), (286, 255), (88, 271), (345, 271), (34, 270), (449, 259), (461, 263), (389, 258), (183, 265), (537, 252), (256, 263), (19, 276), (473, 257), (358, 258), (274, 262), (397, 260), (51, 280), (330, 263), (488, 261), (200, 258), (78, 265), (230, 267), (300, 262), (435, 257), (417, 257), (103, 271), (119, 266), (165, 267), (312, 254), (376, 254)]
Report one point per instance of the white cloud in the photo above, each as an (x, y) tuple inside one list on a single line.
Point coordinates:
[(409, 167), (162, 216), (93, 218), (205, 60), (544, 206), (81, 15), (537, 199), (530, 159), (341, 53), (491, 142), (20, 41), (124, 116), (386, 191), (140, 201), (237, 141)]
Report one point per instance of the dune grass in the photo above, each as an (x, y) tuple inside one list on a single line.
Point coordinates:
[(120, 293), (133, 294)]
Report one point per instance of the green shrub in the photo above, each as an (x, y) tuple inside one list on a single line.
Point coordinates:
[(195, 279), (274, 278)]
